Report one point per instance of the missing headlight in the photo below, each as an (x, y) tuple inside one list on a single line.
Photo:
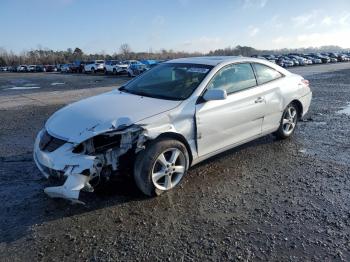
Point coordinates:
[(103, 142), (79, 149), (98, 144)]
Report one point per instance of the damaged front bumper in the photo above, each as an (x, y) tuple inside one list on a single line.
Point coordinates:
[(78, 169)]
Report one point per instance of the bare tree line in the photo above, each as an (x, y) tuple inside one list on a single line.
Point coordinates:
[(48, 56)]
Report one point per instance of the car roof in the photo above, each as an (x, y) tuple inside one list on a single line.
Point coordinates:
[(216, 60), (213, 60)]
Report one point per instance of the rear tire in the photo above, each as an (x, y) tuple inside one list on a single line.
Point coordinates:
[(288, 122), (161, 166)]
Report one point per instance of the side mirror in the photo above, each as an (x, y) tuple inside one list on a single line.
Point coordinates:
[(215, 94)]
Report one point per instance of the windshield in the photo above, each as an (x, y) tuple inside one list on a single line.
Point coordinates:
[(168, 81)]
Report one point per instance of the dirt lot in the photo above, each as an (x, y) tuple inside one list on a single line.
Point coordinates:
[(267, 200)]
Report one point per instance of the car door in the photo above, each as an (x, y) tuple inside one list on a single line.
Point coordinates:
[(270, 82), (223, 123)]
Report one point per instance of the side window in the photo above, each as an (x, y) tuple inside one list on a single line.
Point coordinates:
[(266, 74), (234, 78)]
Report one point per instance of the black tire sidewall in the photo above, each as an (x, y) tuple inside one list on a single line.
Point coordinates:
[(145, 161)]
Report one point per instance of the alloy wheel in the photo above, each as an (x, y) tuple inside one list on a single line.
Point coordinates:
[(168, 169), (289, 120)]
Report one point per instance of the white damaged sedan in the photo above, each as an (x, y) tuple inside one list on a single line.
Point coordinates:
[(166, 120)]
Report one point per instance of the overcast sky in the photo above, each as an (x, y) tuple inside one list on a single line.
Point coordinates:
[(188, 25)]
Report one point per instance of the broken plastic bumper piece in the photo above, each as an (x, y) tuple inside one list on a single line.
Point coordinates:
[(70, 189), (62, 162)]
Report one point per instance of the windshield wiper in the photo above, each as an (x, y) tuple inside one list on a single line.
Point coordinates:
[(123, 89), (141, 93)]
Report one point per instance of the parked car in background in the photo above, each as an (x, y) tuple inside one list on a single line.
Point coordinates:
[(22, 68), (302, 61), (50, 68), (77, 66), (333, 55), (31, 68), (155, 120), (135, 67), (66, 68), (149, 63), (270, 58), (12, 68), (324, 59), (346, 57), (341, 57), (3, 68), (94, 66), (58, 67), (40, 68), (115, 67), (284, 61), (259, 57), (314, 60), (295, 61), (333, 59)]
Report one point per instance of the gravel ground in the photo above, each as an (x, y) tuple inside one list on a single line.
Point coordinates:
[(267, 200)]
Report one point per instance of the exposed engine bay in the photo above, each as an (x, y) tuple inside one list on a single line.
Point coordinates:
[(81, 164)]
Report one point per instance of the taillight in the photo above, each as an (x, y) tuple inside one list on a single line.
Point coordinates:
[(305, 82)]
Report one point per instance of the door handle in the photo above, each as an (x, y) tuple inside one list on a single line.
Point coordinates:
[(259, 100)]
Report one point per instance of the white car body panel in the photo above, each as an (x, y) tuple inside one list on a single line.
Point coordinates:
[(208, 128), (113, 111), (245, 116)]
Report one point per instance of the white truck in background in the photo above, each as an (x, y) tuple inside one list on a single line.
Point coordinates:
[(115, 67), (94, 66)]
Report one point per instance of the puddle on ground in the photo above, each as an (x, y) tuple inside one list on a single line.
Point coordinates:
[(345, 110), (23, 87), (58, 83), (21, 84)]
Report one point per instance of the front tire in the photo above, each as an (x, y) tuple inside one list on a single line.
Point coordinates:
[(288, 122), (161, 166)]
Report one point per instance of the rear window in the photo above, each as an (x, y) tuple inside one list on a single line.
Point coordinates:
[(266, 74)]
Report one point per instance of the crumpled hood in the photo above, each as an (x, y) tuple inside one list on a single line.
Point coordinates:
[(98, 114)]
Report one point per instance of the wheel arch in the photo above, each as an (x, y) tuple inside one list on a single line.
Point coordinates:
[(179, 137), (299, 106)]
